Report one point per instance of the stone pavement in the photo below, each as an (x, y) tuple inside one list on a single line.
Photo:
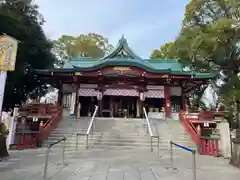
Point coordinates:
[(104, 164)]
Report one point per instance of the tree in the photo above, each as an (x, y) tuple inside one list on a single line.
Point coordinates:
[(89, 45), (209, 38), (21, 20), (167, 51), (210, 29)]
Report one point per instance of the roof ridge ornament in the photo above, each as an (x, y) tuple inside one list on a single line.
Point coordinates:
[(122, 50), (123, 40)]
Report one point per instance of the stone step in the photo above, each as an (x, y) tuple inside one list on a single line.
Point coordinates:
[(121, 143), (122, 139), (117, 137), (117, 147)]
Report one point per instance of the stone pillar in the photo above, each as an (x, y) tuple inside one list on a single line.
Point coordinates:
[(225, 140), (168, 104)]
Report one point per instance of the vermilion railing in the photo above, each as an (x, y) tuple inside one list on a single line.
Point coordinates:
[(48, 127), (207, 145), (27, 140), (189, 127), (30, 139)]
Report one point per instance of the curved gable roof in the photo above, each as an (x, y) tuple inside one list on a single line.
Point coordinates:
[(122, 50)]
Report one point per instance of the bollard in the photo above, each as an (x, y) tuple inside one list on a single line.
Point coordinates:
[(86, 141), (46, 164), (158, 145), (76, 141), (193, 151), (63, 151), (47, 156), (171, 153), (194, 168), (151, 149)]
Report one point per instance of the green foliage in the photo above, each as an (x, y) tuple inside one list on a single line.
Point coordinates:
[(215, 36), (89, 45), (3, 130), (231, 91), (22, 21), (167, 51), (209, 41), (209, 36)]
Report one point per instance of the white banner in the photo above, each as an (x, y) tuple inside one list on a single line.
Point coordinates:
[(3, 76)]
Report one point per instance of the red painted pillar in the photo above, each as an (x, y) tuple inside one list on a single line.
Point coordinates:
[(168, 104)]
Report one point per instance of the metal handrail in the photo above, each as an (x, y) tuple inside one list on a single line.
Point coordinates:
[(78, 134), (148, 123), (193, 151), (47, 155), (90, 126), (150, 132), (91, 122)]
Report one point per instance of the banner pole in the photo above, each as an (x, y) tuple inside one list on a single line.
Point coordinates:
[(3, 77)]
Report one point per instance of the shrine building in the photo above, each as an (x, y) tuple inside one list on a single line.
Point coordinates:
[(122, 83)]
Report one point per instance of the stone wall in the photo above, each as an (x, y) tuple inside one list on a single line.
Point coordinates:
[(235, 159)]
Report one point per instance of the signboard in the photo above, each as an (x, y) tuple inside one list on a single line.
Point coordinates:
[(206, 124), (8, 53)]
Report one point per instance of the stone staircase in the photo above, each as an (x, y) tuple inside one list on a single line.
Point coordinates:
[(171, 130), (118, 133)]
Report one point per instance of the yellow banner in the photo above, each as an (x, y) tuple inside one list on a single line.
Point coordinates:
[(8, 53)]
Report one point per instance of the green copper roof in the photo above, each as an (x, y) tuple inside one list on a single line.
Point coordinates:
[(123, 55), (122, 50)]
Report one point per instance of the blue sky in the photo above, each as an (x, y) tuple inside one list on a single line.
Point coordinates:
[(146, 24)]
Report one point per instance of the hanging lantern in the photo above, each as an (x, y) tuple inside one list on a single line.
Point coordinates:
[(142, 96), (99, 95)]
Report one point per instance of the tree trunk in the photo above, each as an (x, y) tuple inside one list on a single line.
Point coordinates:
[(3, 147)]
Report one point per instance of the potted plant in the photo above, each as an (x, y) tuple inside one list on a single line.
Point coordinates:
[(3, 137)]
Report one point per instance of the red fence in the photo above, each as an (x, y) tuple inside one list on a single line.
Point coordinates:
[(47, 113), (27, 140), (207, 145), (38, 109), (206, 116), (189, 127), (48, 127)]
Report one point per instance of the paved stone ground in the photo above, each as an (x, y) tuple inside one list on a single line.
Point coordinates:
[(107, 164)]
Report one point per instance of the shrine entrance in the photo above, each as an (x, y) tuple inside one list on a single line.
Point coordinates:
[(87, 105), (120, 106), (120, 102), (124, 106)]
